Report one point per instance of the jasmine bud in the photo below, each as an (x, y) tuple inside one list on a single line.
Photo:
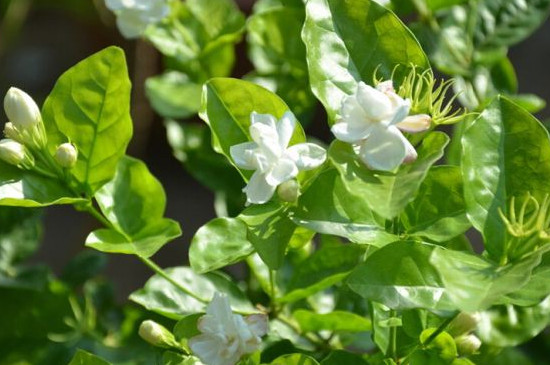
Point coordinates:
[(289, 191), (66, 155), (15, 154), (157, 335), (21, 109)]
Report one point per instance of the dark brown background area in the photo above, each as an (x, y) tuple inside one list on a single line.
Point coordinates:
[(52, 37)]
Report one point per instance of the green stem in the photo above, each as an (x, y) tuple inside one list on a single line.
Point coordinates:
[(292, 325), (273, 293), (97, 215), (393, 338), (157, 269), (431, 338)]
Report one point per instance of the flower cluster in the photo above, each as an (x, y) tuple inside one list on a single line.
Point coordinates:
[(270, 156), (26, 135), (372, 120), (226, 336), (134, 16)]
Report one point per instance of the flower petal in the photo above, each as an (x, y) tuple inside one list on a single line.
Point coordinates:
[(285, 129), (258, 191), (415, 123), (375, 103), (263, 131), (220, 310), (257, 323), (351, 132), (130, 24), (242, 154), (307, 156), (285, 170), (207, 348), (401, 109), (385, 149)]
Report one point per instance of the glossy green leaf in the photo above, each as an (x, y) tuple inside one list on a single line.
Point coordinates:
[(326, 267), (26, 189), (506, 153), (340, 357), (173, 94), (506, 326), (327, 207), (386, 193), (294, 359), (400, 276), (336, 321), (220, 242), (269, 230), (507, 22), (348, 40), (90, 107), (162, 297), (537, 288), (134, 202), (85, 358), (226, 108), (438, 212), (474, 283)]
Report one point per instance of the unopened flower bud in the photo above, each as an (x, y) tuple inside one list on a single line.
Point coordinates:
[(11, 132), (467, 344), (66, 155), (157, 335), (464, 323), (289, 191), (21, 109), (15, 153)]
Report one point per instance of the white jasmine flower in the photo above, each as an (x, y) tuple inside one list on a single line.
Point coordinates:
[(226, 336), (371, 120), (271, 157), (133, 16)]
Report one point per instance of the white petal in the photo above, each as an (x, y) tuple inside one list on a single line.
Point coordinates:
[(375, 103), (242, 154), (411, 152), (207, 348), (386, 87), (258, 191), (258, 324), (265, 119), (384, 150), (351, 133), (285, 129), (114, 4), (263, 131), (415, 123), (307, 156), (285, 170), (401, 109), (130, 24), (220, 309)]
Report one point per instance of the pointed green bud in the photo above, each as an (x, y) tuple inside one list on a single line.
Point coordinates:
[(15, 154), (157, 335), (21, 109), (66, 155), (289, 191), (467, 344)]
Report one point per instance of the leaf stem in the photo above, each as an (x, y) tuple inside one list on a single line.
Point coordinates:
[(393, 337), (292, 325), (157, 269), (273, 293)]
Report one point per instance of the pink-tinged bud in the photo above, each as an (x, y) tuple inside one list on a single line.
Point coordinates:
[(21, 109), (415, 123), (66, 155)]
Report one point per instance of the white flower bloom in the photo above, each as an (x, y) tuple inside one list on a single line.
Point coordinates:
[(271, 157), (226, 337), (21, 109), (371, 120), (133, 16)]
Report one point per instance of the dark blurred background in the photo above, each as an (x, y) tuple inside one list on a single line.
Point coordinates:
[(40, 39)]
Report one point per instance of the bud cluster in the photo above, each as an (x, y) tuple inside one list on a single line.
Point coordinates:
[(26, 135), (461, 328)]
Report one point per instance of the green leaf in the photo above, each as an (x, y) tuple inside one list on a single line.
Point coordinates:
[(507, 22), (474, 283), (162, 297), (294, 359), (21, 188), (269, 230), (336, 321), (537, 288), (347, 41), (85, 358), (506, 153), (187, 327), (172, 358), (327, 207), (438, 211), (506, 326), (226, 108), (173, 94), (401, 276), (90, 107), (386, 193), (220, 242), (326, 267), (20, 230), (340, 357), (134, 202)]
